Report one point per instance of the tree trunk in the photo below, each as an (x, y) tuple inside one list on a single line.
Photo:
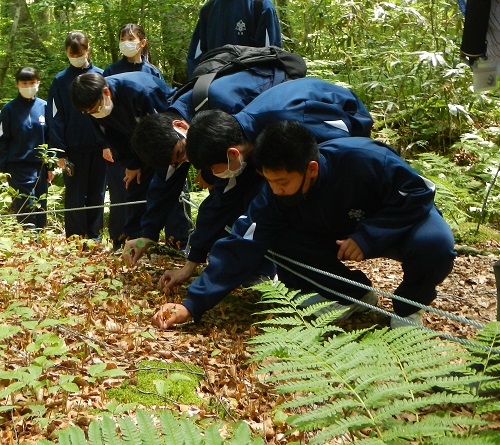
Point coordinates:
[(5, 63)]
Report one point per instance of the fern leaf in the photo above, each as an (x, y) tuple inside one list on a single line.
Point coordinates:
[(170, 429), (95, 433), (71, 436), (242, 435), (109, 434), (130, 435), (190, 433), (323, 416), (400, 406), (343, 426), (148, 432), (432, 426), (212, 436)]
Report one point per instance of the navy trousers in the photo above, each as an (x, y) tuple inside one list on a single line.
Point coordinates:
[(426, 254), (31, 182), (85, 188)]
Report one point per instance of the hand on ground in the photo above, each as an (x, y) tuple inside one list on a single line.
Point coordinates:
[(134, 249), (170, 314)]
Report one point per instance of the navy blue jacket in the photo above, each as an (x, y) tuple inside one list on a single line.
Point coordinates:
[(22, 128), (233, 92), (223, 22), (134, 95), (364, 191), (69, 128), (327, 110), (124, 66), (230, 94)]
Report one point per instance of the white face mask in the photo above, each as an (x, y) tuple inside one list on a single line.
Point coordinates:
[(228, 173), (28, 92), (105, 109), (129, 49), (78, 62)]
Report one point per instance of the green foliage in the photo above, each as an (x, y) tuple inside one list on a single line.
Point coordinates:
[(467, 189), (160, 383), (363, 384), (171, 431)]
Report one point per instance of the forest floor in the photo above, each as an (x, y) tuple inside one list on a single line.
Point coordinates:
[(121, 331)]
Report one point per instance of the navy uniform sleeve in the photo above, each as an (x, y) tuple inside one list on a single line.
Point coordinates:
[(228, 200), (56, 118), (163, 194), (268, 32), (234, 258), (404, 198)]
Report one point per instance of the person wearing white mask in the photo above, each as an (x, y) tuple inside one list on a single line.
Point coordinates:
[(134, 48), (74, 134), (22, 131), (116, 103)]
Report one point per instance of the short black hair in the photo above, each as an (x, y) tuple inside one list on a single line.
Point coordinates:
[(209, 136), (86, 90), (154, 138), (26, 73), (285, 145)]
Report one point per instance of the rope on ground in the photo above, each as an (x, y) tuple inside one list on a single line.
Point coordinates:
[(383, 311)]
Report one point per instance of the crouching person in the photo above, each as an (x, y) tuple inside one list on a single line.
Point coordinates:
[(348, 199)]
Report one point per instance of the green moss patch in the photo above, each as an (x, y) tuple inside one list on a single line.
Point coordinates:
[(160, 383)]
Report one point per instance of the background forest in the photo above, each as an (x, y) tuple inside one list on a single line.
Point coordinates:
[(76, 340), (402, 58)]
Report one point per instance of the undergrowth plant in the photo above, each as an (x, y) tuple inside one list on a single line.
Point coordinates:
[(372, 386), (148, 429)]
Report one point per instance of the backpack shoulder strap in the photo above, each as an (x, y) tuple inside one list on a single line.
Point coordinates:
[(199, 98)]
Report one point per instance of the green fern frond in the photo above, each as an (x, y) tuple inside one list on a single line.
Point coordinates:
[(366, 380), (386, 412), (109, 434), (95, 435), (212, 436), (170, 429), (482, 438), (431, 426), (130, 435), (190, 432), (72, 436), (344, 426), (147, 429)]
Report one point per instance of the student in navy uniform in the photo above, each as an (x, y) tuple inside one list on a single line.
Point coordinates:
[(214, 137), (22, 129), (159, 141), (134, 47), (74, 134), (236, 22), (351, 199), (116, 103)]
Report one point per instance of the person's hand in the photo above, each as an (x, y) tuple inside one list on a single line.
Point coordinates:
[(130, 175), (50, 175), (134, 249), (60, 162), (170, 314), (349, 250), (172, 278), (108, 155)]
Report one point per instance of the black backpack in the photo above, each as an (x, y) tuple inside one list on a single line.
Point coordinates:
[(229, 59)]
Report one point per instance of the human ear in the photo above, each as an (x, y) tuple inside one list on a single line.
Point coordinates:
[(313, 169), (233, 152)]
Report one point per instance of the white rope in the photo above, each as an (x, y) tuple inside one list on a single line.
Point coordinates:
[(73, 209)]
